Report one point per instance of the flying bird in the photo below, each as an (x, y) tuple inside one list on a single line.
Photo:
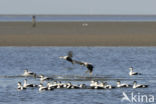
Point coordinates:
[(68, 57), (89, 66)]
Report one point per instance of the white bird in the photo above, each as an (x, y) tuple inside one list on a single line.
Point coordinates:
[(121, 85), (135, 85), (92, 83), (20, 87), (82, 86), (28, 73), (96, 85), (69, 85), (28, 85), (58, 85), (43, 78), (50, 85), (74, 86), (107, 86), (68, 57), (133, 73), (42, 88)]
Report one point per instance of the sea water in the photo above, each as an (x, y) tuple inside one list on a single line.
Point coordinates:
[(74, 18), (109, 62)]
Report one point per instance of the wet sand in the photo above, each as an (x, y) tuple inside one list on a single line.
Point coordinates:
[(78, 34)]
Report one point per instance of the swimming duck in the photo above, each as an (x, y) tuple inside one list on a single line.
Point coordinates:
[(133, 73), (106, 85), (121, 85), (42, 88), (69, 85), (74, 86), (83, 86), (28, 73), (92, 83), (96, 85), (43, 78), (28, 85), (20, 87), (50, 85), (60, 84), (135, 85)]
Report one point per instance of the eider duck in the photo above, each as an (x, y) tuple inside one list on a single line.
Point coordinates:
[(28, 85), (68, 57), (42, 88), (20, 87), (133, 73), (89, 66), (43, 78), (135, 85), (119, 85), (28, 73)]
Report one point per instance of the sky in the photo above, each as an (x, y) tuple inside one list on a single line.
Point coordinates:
[(87, 7)]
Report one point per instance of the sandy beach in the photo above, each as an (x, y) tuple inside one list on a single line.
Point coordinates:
[(78, 34)]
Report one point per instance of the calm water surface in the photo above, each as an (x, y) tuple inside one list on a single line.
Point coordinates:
[(79, 18), (109, 62)]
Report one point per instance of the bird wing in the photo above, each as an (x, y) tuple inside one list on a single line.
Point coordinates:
[(70, 54), (78, 62)]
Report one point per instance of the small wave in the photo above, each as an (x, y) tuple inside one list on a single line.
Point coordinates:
[(87, 78)]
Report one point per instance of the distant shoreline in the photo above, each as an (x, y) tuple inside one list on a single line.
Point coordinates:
[(78, 34), (79, 18), (78, 15)]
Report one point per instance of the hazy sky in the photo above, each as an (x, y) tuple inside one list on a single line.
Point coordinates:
[(78, 7)]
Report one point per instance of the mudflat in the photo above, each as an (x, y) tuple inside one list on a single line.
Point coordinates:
[(78, 34)]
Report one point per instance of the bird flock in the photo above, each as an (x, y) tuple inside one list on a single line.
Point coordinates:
[(52, 84)]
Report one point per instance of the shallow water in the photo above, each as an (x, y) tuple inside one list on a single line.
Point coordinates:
[(79, 18), (110, 63)]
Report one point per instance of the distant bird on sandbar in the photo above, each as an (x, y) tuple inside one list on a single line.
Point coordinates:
[(68, 57)]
